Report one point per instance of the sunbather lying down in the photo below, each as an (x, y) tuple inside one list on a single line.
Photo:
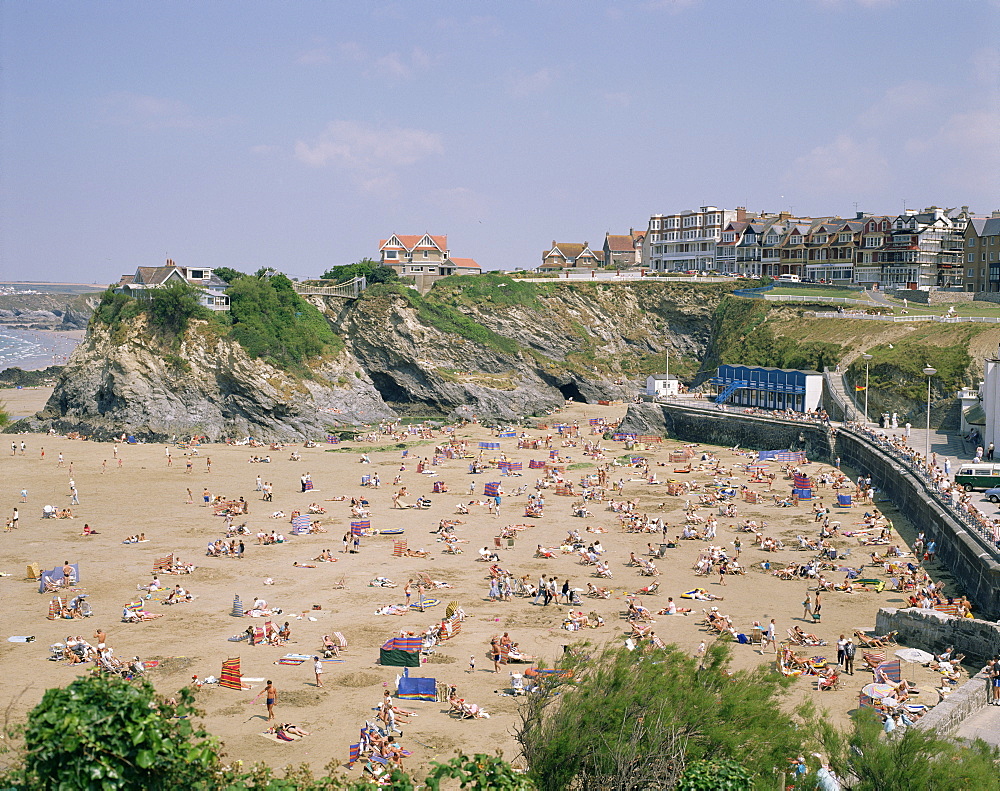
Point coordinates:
[(466, 711), (417, 553), (287, 732)]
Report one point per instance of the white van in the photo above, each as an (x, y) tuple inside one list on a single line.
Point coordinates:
[(789, 279)]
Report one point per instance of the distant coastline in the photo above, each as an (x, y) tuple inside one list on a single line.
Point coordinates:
[(34, 349)]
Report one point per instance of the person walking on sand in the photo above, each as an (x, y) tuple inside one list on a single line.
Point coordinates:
[(472, 663), (849, 650), (817, 606), (408, 591), (206, 496), (271, 698), (190, 500), (318, 670), (807, 608), (769, 637)]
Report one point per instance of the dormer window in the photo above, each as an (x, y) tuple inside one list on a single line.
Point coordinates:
[(198, 274)]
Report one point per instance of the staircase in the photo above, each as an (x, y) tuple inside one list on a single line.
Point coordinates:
[(730, 389)]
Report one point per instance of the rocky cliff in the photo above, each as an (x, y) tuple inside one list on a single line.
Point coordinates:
[(47, 311), (520, 349), (125, 380), (492, 347)]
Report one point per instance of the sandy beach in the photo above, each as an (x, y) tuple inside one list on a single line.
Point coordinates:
[(31, 350), (146, 494)]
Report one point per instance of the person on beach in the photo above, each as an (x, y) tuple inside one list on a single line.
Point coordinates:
[(318, 670), (271, 698), (807, 608)]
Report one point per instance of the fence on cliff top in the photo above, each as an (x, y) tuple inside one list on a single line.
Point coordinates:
[(350, 290)]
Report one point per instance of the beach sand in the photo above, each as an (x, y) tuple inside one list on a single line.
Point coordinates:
[(146, 495)]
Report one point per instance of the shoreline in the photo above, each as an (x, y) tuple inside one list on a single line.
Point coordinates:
[(56, 347)]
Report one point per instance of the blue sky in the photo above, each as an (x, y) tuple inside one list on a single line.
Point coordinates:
[(297, 134)]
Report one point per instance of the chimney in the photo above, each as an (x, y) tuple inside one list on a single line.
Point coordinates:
[(741, 214)]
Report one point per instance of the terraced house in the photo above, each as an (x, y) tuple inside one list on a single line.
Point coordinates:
[(686, 241), (981, 254)]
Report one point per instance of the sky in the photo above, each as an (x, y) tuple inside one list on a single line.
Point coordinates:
[(297, 134)]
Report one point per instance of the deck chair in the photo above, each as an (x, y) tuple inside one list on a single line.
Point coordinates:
[(873, 658), (340, 584), (341, 641), (498, 542), (830, 682), (866, 641), (794, 638)]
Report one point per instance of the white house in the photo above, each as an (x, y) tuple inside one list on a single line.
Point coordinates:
[(663, 385), (211, 288)]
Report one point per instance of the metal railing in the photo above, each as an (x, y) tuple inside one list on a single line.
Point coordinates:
[(941, 319), (350, 290)]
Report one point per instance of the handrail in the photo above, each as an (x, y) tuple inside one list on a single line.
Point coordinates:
[(940, 319), (351, 289)]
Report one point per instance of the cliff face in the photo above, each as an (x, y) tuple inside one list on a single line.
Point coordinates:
[(519, 356), (468, 348), (124, 380)]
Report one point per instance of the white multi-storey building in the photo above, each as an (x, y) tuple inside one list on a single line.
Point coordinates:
[(686, 241)]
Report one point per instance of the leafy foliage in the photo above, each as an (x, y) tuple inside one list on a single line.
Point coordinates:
[(108, 733), (742, 335), (917, 759), (638, 719), (173, 306), (228, 274), (715, 776), (366, 267), (271, 321)]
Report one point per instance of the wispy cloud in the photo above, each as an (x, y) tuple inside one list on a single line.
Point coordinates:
[(845, 165), (152, 112), (392, 65), (521, 84), (317, 56), (372, 156)]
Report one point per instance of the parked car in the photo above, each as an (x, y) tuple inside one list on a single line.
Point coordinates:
[(993, 495)]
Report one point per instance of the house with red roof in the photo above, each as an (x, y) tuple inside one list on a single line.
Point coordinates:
[(424, 257), (623, 250)]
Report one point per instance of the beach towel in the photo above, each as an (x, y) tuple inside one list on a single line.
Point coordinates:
[(425, 604), (21, 639), (230, 677)]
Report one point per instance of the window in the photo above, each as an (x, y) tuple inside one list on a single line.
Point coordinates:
[(389, 254), (970, 272), (844, 237), (795, 239), (972, 241), (729, 237), (198, 274), (771, 239), (425, 253), (655, 225), (671, 223), (820, 238)]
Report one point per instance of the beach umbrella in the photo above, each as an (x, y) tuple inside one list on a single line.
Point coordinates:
[(877, 690), (914, 656)]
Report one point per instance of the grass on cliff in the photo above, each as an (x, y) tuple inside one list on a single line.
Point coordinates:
[(266, 317), (742, 335), (446, 318)]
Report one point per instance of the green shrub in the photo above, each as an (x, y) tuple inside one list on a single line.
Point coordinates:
[(373, 271), (274, 323)]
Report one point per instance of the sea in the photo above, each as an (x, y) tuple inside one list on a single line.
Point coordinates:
[(31, 350)]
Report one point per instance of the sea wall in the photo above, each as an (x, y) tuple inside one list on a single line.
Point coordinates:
[(934, 631), (698, 424), (965, 553), (931, 297)]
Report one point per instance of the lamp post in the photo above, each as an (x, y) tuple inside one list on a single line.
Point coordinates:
[(928, 372), (867, 359)]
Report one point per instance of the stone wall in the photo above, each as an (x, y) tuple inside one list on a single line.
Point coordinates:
[(931, 297), (967, 555), (693, 424), (986, 296), (948, 715), (934, 631)]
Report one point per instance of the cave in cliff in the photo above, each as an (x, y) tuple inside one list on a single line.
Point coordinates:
[(570, 390), (400, 398)]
